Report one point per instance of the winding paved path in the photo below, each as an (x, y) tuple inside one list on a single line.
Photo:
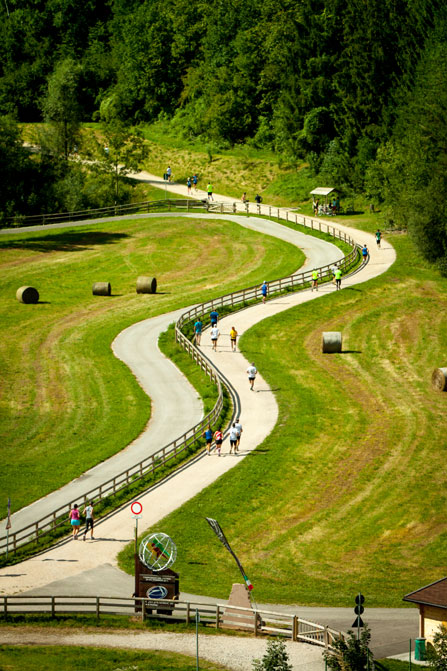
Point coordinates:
[(90, 565)]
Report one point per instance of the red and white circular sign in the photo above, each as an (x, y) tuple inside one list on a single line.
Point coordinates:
[(136, 508)]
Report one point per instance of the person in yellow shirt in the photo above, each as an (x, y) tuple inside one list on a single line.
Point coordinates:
[(233, 338)]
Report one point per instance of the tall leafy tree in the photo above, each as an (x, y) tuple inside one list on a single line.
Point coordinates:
[(61, 108)]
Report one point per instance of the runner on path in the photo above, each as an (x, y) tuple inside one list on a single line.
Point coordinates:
[(75, 520), (233, 337), (214, 316), (195, 179), (239, 432), (218, 437), (89, 519), (338, 274), (251, 370), (209, 190), (198, 331), (314, 279), (378, 237), (233, 439), (208, 435), (188, 184), (214, 337), (264, 290), (365, 252), (333, 271)]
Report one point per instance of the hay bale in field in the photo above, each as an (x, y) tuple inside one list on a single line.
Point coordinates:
[(101, 289), (146, 285), (332, 341), (439, 379), (27, 295)]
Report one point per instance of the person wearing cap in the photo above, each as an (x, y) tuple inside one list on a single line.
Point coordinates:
[(251, 371), (264, 290)]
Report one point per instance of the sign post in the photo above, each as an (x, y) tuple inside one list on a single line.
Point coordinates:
[(358, 610), (197, 638), (136, 508)]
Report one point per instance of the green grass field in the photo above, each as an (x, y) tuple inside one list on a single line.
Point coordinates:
[(67, 402), (347, 493), (55, 658)]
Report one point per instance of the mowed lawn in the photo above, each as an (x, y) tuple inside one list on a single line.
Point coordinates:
[(66, 402), (348, 493), (55, 658)]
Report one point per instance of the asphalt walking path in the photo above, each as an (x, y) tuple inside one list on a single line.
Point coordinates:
[(77, 567)]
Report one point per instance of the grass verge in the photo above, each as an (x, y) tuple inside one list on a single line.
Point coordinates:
[(329, 504), (54, 658)]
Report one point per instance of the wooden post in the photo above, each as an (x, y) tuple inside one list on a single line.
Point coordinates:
[(255, 623), (143, 610), (53, 610), (97, 607), (217, 616), (5, 607), (326, 637), (187, 612), (294, 628)]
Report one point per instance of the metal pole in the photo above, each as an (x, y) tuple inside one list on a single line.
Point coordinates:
[(197, 639), (136, 535), (409, 657), (7, 543), (358, 620)]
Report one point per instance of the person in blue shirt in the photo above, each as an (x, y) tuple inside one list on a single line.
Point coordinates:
[(365, 252), (264, 290), (198, 331), (214, 316), (208, 435)]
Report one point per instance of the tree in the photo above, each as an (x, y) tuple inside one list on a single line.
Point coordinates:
[(276, 658), (61, 108), (437, 654), (351, 654), (119, 152)]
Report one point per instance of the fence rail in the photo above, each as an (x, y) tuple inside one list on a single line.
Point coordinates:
[(238, 299), (259, 622)]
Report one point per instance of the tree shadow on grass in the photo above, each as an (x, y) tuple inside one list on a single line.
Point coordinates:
[(71, 241)]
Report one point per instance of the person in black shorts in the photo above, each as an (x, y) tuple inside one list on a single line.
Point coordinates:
[(89, 519)]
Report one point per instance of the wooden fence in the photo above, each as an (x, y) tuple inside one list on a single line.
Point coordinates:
[(236, 300), (259, 622)]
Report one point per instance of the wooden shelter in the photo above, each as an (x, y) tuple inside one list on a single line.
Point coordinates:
[(324, 191), (432, 602)]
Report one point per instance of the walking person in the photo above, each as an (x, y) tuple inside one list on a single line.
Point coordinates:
[(214, 316), (198, 326), (218, 437), (314, 279), (209, 190), (233, 439), (195, 179), (169, 173), (208, 435), (264, 291), (378, 237), (75, 520), (188, 184), (239, 432), (251, 371), (338, 275), (233, 337), (214, 337), (89, 519)]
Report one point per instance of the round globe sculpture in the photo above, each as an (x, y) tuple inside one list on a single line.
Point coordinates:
[(157, 551)]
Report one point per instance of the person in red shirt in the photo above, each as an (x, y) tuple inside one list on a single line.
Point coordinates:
[(218, 437)]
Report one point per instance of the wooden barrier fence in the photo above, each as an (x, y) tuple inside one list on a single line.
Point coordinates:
[(259, 622)]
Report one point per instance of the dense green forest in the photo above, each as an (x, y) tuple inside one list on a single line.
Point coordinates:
[(352, 89)]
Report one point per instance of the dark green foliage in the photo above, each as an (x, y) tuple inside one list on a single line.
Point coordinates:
[(276, 658), (351, 654), (437, 653)]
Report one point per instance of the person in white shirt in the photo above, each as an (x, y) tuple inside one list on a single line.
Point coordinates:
[(214, 337), (251, 370), (233, 439)]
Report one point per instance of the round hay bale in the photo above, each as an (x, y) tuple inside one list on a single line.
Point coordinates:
[(146, 285), (101, 289), (439, 379), (332, 341), (27, 295)]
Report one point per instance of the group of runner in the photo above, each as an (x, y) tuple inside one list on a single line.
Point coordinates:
[(235, 438)]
